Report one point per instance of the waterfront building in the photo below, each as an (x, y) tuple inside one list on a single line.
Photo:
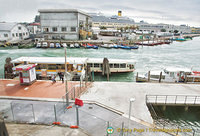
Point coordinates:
[(66, 24), (113, 22), (34, 28), (155, 28), (13, 32), (195, 30)]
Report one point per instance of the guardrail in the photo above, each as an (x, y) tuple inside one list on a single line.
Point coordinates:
[(173, 99)]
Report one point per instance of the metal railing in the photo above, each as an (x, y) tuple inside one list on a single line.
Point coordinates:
[(173, 99)]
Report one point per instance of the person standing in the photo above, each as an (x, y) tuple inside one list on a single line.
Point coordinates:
[(62, 76)]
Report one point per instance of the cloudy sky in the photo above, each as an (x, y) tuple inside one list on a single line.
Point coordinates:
[(152, 11)]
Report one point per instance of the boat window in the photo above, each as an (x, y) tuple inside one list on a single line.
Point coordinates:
[(111, 65), (116, 65), (51, 67), (96, 65), (43, 66), (38, 67), (123, 65), (90, 65)]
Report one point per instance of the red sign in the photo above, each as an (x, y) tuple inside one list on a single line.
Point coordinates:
[(78, 102)]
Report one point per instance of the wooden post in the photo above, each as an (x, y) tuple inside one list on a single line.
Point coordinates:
[(149, 76), (160, 77), (137, 77), (185, 78)]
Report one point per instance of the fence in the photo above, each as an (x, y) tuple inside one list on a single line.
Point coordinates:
[(173, 99), (164, 123)]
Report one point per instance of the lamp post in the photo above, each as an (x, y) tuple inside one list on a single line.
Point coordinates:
[(66, 87), (129, 117)]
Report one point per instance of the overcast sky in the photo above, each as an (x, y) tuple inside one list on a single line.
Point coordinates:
[(152, 11)]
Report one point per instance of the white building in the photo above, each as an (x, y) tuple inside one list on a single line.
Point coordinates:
[(63, 23), (155, 28), (34, 28), (11, 32)]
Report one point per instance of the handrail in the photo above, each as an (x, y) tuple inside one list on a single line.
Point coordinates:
[(173, 99)]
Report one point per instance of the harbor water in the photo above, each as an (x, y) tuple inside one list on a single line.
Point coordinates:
[(177, 54)]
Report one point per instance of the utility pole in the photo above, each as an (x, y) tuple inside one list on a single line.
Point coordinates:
[(66, 86)]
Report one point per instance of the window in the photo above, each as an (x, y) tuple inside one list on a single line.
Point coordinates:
[(54, 29), (73, 29), (19, 28), (52, 67), (96, 65), (5, 35), (20, 34), (46, 29), (26, 33), (123, 65), (13, 35), (23, 34), (64, 29), (16, 34), (111, 65), (116, 65), (90, 65)]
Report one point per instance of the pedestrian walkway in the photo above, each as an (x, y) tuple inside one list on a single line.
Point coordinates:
[(93, 118), (40, 89)]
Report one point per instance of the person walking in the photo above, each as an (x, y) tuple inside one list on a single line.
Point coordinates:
[(53, 79), (62, 77)]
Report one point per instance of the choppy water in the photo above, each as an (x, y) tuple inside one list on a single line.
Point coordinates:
[(177, 54)]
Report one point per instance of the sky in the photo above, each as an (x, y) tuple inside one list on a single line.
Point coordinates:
[(152, 11)]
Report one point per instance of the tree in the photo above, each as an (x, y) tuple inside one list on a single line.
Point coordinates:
[(163, 30), (175, 31)]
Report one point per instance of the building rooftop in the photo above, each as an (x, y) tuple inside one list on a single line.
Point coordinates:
[(62, 11), (5, 26)]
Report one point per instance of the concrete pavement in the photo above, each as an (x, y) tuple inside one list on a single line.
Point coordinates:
[(117, 95)]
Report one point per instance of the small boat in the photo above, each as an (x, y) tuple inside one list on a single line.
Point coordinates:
[(125, 47), (92, 46), (64, 45), (58, 45), (71, 45), (108, 46), (51, 45), (77, 45), (38, 45), (134, 47), (44, 45), (116, 46)]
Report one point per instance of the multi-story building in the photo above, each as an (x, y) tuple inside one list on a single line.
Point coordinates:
[(163, 28), (68, 24), (195, 30), (10, 32), (113, 22)]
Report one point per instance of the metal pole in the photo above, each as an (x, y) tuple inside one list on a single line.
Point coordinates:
[(74, 93), (12, 111), (55, 112), (33, 113), (66, 87), (122, 131), (129, 117), (108, 125), (77, 116)]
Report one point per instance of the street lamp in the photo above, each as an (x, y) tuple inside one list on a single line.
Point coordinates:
[(129, 118), (66, 89)]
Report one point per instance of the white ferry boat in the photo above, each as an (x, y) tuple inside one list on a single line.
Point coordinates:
[(52, 65), (168, 75)]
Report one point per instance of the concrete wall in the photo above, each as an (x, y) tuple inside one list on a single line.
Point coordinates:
[(59, 20)]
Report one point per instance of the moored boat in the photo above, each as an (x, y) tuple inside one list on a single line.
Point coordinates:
[(58, 45), (38, 45)]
